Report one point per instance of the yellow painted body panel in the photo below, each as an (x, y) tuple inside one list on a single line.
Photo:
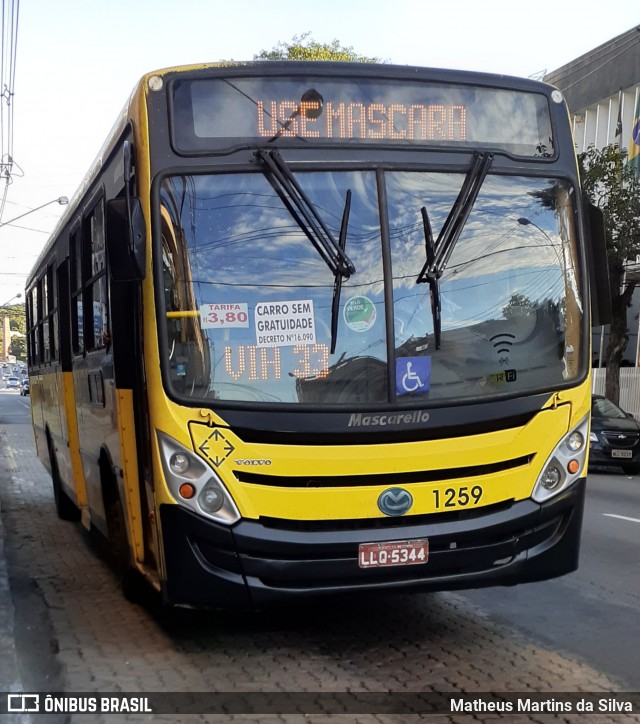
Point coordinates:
[(126, 429), (361, 502), (221, 448), (74, 441), (53, 412)]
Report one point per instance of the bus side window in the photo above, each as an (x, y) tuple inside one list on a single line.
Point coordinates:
[(50, 316), (77, 315), (33, 334), (97, 285), (189, 356), (46, 310)]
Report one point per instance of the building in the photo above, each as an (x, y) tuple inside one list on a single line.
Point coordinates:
[(602, 89)]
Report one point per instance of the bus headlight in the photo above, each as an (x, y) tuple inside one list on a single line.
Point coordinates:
[(195, 485), (565, 464), (211, 498), (179, 463), (575, 441), (551, 477)]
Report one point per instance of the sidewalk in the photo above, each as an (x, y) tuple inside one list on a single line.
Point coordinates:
[(28, 661), (10, 677), (9, 671)]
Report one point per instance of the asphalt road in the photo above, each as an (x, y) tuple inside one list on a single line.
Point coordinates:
[(594, 613)]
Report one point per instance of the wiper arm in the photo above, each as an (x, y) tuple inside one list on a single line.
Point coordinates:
[(337, 283), (431, 277), (305, 214), (439, 252)]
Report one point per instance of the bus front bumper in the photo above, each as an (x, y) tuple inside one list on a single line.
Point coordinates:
[(255, 564)]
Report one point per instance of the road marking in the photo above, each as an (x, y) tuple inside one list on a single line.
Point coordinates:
[(621, 517)]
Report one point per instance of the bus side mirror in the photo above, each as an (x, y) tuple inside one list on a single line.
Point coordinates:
[(598, 263), (126, 240)]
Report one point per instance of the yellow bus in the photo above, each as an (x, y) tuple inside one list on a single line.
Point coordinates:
[(310, 328)]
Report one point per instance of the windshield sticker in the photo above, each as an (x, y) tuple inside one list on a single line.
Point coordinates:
[(222, 316), (413, 374), (216, 448), (501, 378), (359, 314), (283, 324)]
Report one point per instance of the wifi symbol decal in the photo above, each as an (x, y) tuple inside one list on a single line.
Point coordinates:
[(502, 342)]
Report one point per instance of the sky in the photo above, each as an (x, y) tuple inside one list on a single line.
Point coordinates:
[(78, 60)]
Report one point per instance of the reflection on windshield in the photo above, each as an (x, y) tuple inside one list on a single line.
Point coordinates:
[(249, 300), (440, 250), (262, 294), (511, 308)]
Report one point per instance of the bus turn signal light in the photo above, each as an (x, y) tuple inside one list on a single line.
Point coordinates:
[(187, 491)]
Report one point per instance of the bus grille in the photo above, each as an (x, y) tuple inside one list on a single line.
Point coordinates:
[(322, 526), (385, 479)]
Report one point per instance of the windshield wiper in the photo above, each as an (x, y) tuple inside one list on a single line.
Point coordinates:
[(431, 277), (305, 214), (439, 252), (337, 283)]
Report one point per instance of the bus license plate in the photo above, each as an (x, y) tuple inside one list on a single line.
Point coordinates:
[(393, 553), (622, 454)]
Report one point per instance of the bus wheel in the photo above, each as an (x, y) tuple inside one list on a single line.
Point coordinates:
[(130, 581), (65, 507)]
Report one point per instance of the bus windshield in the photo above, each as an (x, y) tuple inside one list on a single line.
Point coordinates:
[(248, 299)]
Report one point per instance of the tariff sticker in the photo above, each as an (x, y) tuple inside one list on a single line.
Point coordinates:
[(221, 316)]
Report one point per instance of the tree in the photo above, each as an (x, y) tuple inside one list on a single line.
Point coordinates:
[(304, 47), (17, 323), (16, 314), (518, 305), (613, 187), (19, 348)]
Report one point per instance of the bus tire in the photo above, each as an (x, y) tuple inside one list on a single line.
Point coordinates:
[(65, 507)]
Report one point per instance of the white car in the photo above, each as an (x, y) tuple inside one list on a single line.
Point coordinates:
[(13, 383)]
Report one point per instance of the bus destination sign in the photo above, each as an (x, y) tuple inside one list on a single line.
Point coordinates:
[(211, 114), (356, 120)]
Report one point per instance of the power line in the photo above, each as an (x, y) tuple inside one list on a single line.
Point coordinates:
[(10, 15)]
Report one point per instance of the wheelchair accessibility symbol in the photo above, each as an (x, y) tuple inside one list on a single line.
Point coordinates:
[(413, 374)]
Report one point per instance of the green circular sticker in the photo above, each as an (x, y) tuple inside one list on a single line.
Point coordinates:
[(359, 314)]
